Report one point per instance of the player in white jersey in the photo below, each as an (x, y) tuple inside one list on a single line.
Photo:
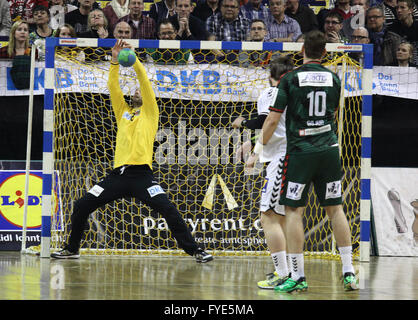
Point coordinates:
[(272, 214)]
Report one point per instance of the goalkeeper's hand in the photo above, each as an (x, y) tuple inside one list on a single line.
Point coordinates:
[(119, 45)]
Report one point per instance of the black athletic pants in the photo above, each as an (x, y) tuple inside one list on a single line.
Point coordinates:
[(126, 182)]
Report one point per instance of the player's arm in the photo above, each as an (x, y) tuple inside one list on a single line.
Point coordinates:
[(116, 94), (269, 126), (149, 105), (255, 123)]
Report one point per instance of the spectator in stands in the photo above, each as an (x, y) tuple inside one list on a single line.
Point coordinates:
[(406, 26), (320, 16), (359, 8), (361, 36), (166, 31), (255, 9), (143, 27), (18, 41), (162, 10), (41, 17), (58, 9), (281, 28), (22, 10), (67, 31), (122, 30), (389, 10), (333, 27), (228, 24), (206, 8), (5, 19), (79, 17), (405, 55), (97, 26), (188, 27), (115, 10), (385, 42), (258, 33), (304, 15), (343, 8), (19, 50)]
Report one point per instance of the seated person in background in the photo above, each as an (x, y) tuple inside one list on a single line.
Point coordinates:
[(115, 10), (163, 9), (281, 28), (361, 36), (304, 15), (41, 17), (143, 27), (58, 9), (122, 30), (228, 25), (405, 55), (22, 10), (18, 41), (360, 8), (389, 10), (166, 31), (255, 10), (79, 17), (385, 42), (343, 8), (97, 26), (206, 8), (67, 31), (258, 32), (188, 26), (19, 51), (406, 26), (333, 26), (5, 18)]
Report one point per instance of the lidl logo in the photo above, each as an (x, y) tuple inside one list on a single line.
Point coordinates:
[(12, 200)]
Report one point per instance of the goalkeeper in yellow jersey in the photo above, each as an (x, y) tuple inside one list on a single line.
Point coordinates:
[(132, 174)]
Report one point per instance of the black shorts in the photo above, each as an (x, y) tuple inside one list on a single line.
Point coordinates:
[(323, 169)]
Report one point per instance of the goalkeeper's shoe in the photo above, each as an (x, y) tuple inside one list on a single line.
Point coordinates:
[(65, 254), (350, 281), (272, 280), (291, 285), (202, 256)]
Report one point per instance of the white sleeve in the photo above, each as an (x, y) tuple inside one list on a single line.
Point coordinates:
[(265, 100)]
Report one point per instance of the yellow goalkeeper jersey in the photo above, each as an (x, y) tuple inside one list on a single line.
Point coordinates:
[(136, 127)]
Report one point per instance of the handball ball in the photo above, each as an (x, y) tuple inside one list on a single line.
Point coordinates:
[(126, 57)]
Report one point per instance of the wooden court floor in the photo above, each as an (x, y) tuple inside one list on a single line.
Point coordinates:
[(27, 277)]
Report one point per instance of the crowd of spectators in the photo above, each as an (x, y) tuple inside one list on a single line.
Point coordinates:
[(390, 25)]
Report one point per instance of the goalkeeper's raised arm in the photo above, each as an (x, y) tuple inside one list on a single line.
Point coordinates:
[(143, 96)]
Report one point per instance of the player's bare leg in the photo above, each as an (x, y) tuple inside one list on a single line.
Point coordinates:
[(295, 242), (273, 225), (342, 234)]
